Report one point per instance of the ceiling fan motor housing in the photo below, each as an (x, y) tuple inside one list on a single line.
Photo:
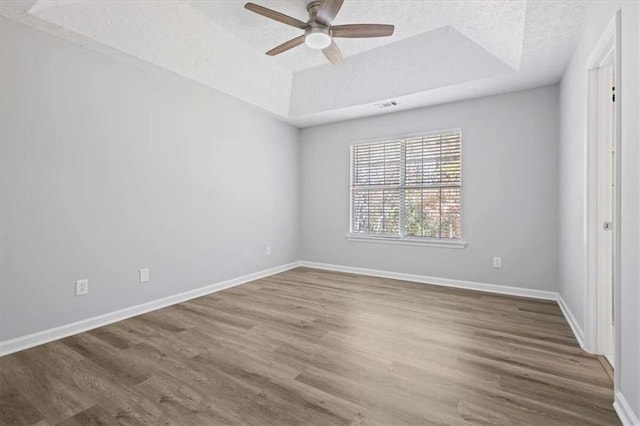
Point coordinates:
[(312, 9)]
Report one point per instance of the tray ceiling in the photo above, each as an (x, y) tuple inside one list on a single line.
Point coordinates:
[(440, 51)]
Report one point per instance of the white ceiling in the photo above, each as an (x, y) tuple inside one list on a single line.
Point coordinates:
[(440, 51), (496, 25)]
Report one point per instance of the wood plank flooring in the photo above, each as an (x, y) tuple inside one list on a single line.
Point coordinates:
[(318, 348)]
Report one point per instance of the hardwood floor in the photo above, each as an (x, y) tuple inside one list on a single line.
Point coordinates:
[(316, 347)]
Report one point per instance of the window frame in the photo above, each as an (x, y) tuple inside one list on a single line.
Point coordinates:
[(459, 243)]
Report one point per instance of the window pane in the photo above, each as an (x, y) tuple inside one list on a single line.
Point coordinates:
[(413, 213), (432, 213), (422, 209), (392, 212), (376, 164), (376, 211), (433, 160), (450, 219), (360, 220)]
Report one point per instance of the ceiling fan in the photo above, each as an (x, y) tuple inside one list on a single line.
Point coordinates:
[(318, 31)]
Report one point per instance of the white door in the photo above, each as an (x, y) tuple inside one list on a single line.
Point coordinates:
[(605, 209)]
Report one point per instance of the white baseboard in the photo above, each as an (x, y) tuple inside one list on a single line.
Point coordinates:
[(446, 282), (626, 414), (35, 339), (573, 323)]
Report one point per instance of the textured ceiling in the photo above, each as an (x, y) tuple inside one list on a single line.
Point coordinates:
[(497, 26), (440, 51), (438, 58)]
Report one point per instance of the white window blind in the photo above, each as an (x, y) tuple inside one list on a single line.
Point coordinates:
[(407, 188)]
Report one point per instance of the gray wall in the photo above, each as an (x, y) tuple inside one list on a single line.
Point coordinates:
[(508, 199), (572, 172), (107, 168)]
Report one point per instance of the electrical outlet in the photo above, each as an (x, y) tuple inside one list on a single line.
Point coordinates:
[(82, 287), (144, 275), (497, 262), (268, 250)]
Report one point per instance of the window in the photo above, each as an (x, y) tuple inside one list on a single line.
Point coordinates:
[(407, 188)]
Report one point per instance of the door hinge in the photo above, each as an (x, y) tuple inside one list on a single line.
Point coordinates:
[(613, 96)]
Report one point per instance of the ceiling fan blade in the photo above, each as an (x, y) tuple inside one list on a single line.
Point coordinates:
[(333, 53), (276, 16), (327, 11), (286, 46), (362, 30)]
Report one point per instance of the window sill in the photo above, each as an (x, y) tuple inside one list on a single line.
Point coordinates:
[(452, 244)]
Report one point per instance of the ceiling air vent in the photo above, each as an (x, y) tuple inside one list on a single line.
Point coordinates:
[(387, 104)]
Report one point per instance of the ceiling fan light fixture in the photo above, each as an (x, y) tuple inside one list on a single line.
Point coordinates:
[(317, 39)]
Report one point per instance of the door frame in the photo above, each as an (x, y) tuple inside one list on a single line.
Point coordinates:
[(609, 41)]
